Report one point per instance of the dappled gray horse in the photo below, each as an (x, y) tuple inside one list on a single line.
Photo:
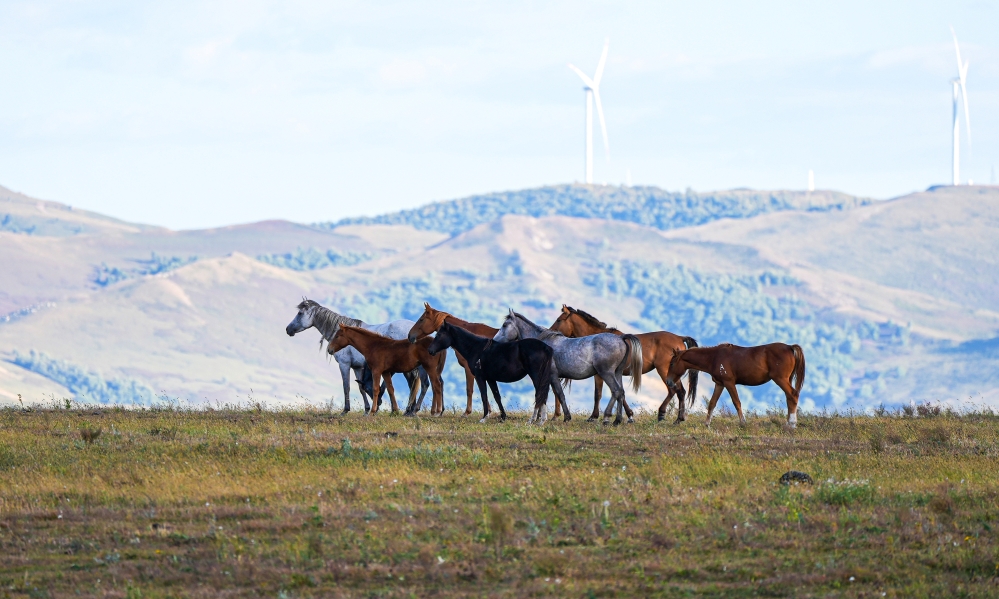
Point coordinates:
[(604, 354), (327, 322)]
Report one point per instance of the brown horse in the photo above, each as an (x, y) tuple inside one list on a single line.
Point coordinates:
[(388, 356), (657, 351), (730, 365), (431, 320)]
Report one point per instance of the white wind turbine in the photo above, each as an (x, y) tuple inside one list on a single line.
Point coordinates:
[(959, 82), (592, 90)]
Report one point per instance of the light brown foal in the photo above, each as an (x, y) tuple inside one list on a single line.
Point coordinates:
[(657, 351), (388, 356), (730, 365), (428, 324)]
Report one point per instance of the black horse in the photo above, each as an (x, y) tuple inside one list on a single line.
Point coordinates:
[(367, 384), (495, 361)]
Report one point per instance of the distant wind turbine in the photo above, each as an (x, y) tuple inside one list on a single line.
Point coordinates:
[(959, 82), (592, 90)]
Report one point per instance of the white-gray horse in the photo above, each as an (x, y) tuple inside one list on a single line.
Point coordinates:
[(327, 322), (603, 354)]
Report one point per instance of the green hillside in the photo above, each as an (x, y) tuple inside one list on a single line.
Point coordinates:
[(649, 206)]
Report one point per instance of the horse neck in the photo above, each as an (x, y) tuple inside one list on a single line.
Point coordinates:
[(363, 340), (466, 342), (581, 328), (327, 322), (703, 358), (535, 331)]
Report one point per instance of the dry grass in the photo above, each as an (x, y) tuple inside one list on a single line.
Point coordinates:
[(300, 504)]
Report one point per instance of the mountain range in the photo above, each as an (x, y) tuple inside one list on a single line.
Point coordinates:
[(894, 301)]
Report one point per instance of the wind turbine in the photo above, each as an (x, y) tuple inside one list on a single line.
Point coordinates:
[(959, 82), (592, 90)]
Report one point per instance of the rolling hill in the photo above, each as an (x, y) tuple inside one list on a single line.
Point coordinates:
[(894, 301)]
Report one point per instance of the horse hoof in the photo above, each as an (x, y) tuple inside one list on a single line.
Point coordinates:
[(606, 422), (617, 422), (678, 420), (591, 419), (482, 420), (662, 416), (567, 418), (631, 420)]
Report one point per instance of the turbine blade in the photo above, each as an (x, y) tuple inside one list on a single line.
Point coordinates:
[(586, 79), (600, 65), (964, 95), (957, 49), (603, 125)]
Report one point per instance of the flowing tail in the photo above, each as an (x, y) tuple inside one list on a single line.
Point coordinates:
[(691, 374), (635, 350), (798, 374), (544, 378)]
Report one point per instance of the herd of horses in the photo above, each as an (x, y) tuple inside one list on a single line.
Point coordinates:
[(577, 346)]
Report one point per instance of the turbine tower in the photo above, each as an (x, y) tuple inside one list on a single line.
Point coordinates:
[(959, 84), (592, 90)]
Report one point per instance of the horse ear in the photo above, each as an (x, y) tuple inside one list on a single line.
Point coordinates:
[(426, 305), (565, 309)]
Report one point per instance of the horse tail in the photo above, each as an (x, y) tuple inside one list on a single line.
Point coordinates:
[(635, 351), (691, 374), (798, 374), (545, 375)]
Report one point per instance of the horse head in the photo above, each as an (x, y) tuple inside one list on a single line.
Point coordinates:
[(563, 324), (303, 320), (427, 324), (340, 340), (441, 341), (508, 330)]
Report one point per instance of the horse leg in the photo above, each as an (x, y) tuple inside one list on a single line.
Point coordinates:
[(469, 383), (681, 414), (496, 396), (345, 375), (792, 401), (714, 401), (391, 391), (598, 388), (364, 395), (437, 382), (734, 394), (376, 378), (424, 387), (556, 386), (483, 393), (617, 399)]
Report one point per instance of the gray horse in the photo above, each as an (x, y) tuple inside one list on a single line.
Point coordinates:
[(603, 354), (327, 322)]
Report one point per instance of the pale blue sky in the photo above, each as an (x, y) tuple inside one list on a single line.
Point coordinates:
[(197, 114)]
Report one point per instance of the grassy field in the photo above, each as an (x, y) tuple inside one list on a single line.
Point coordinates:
[(299, 503)]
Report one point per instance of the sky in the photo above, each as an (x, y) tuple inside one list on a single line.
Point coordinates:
[(198, 114)]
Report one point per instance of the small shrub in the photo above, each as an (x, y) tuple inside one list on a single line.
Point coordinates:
[(938, 436), (89, 435), (942, 503), (845, 492), (877, 441), (926, 410)]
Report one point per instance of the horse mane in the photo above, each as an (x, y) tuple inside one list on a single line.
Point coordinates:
[(327, 320), (590, 319), (542, 332)]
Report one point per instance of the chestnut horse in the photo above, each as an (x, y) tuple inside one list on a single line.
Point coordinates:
[(388, 356), (657, 351), (730, 365), (431, 320)]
